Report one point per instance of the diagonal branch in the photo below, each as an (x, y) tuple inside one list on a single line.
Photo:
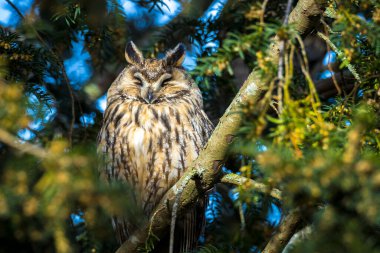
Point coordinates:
[(291, 224), (205, 171)]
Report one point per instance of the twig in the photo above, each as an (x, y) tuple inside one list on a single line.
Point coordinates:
[(25, 147), (341, 56), (329, 64), (280, 75), (15, 8), (263, 7), (280, 72), (287, 12), (240, 180), (175, 209), (241, 215), (62, 67)]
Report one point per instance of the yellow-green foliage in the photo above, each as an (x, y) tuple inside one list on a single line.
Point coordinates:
[(322, 155), (42, 184), (325, 157)]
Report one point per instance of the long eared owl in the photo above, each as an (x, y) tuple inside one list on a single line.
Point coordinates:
[(154, 126)]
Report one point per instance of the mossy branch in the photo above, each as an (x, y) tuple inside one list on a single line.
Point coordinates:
[(260, 187), (305, 16)]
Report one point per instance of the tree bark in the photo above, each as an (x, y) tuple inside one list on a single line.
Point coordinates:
[(205, 172), (260, 187), (291, 224)]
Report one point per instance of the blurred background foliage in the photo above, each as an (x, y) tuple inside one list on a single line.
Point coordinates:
[(315, 134)]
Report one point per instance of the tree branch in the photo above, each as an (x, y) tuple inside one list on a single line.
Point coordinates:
[(205, 172), (15, 8), (260, 187), (291, 224), (25, 147)]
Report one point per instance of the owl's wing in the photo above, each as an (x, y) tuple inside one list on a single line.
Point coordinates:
[(124, 226), (192, 227), (120, 226), (194, 221)]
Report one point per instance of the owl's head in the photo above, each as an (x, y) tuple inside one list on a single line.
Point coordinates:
[(153, 81)]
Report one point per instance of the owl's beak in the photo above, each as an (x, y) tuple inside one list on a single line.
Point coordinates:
[(150, 97)]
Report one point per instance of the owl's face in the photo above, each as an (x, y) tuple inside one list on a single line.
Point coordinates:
[(153, 81)]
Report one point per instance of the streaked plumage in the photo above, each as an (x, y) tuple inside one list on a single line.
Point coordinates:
[(154, 126)]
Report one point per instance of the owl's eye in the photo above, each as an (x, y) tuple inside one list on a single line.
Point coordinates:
[(165, 82), (138, 82)]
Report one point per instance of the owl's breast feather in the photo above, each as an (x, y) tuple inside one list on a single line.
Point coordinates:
[(138, 139)]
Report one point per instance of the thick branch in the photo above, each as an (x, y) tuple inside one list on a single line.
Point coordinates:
[(290, 225), (260, 187), (205, 170)]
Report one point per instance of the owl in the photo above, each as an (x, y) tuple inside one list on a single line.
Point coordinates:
[(154, 126)]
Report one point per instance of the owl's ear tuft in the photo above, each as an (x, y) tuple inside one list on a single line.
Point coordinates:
[(176, 56), (133, 55)]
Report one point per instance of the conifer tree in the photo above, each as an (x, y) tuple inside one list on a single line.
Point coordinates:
[(293, 87)]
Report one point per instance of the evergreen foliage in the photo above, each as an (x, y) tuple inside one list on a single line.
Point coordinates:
[(315, 138)]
